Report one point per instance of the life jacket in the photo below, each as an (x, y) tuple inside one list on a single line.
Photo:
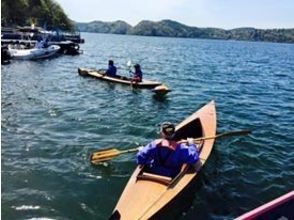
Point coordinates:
[(164, 149), (166, 143)]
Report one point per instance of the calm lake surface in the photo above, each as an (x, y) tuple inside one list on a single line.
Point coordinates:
[(53, 119)]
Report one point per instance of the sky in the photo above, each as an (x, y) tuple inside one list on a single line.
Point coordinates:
[(227, 14)]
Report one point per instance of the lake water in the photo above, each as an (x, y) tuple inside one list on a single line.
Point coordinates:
[(52, 119)]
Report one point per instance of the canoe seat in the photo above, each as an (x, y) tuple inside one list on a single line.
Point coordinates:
[(153, 177)]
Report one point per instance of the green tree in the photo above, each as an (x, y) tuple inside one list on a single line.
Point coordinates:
[(46, 13)]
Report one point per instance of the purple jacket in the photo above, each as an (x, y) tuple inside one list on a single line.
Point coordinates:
[(165, 161)]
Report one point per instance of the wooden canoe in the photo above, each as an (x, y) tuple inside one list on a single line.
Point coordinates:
[(100, 74), (146, 194)]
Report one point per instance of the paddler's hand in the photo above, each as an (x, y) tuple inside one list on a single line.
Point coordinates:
[(190, 141), (140, 148)]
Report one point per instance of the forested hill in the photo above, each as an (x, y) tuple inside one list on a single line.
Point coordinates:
[(43, 13), (171, 28)]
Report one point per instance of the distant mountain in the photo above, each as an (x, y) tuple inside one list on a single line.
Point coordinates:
[(169, 28), (272, 35), (117, 27)]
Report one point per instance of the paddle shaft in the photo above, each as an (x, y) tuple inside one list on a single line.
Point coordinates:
[(129, 150), (231, 133)]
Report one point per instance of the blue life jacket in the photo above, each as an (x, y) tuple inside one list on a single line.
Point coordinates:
[(165, 161)]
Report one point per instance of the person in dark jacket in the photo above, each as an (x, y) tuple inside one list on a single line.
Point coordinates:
[(111, 71), (137, 75), (165, 156)]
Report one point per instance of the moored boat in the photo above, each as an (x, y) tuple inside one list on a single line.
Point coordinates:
[(34, 53), (100, 74), (279, 208), (33, 33), (146, 194), (68, 47)]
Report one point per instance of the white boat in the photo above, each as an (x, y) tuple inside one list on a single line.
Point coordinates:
[(34, 53)]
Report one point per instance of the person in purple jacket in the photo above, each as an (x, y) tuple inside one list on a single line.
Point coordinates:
[(165, 156), (138, 75)]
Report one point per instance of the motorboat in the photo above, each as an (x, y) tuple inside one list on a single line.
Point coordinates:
[(34, 53)]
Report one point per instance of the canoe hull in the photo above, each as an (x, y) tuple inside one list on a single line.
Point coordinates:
[(142, 199), (99, 74)]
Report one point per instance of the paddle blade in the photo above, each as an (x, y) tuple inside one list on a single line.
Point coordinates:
[(108, 154), (129, 63), (104, 155)]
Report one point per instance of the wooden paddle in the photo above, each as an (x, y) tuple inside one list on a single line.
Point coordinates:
[(110, 153)]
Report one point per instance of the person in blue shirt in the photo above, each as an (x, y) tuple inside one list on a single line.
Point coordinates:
[(165, 156), (111, 71)]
